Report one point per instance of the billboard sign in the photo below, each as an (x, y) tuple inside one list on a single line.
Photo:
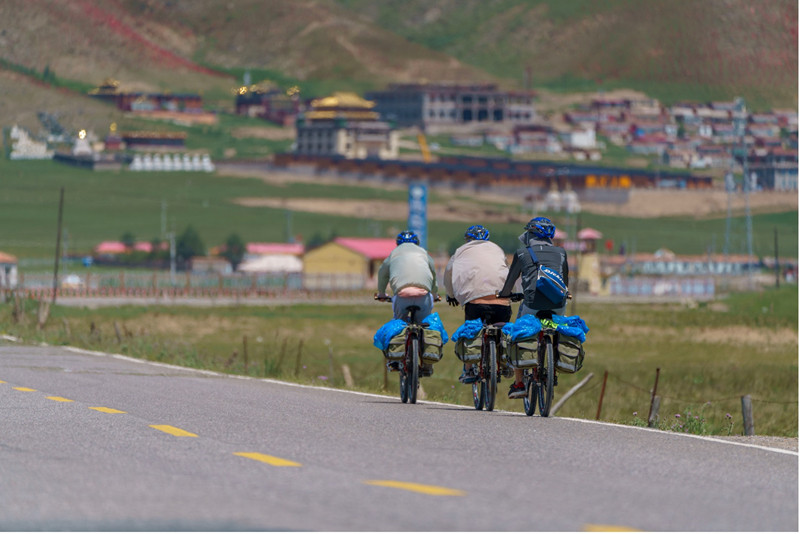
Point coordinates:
[(418, 211)]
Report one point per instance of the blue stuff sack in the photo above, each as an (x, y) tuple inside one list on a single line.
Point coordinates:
[(468, 330), (386, 332), (525, 327)]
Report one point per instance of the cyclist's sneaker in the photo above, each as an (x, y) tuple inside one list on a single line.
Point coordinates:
[(468, 376), (516, 391), (426, 369), (393, 366)]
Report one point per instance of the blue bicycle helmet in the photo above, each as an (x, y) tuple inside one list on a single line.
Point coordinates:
[(541, 227), (476, 232), (407, 237)]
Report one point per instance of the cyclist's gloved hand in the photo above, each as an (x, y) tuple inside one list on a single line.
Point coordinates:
[(452, 301)]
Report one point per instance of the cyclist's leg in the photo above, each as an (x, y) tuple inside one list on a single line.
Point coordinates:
[(517, 389), (472, 311)]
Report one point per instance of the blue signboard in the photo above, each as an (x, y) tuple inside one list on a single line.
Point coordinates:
[(418, 211)]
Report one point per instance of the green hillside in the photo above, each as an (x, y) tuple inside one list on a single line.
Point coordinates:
[(670, 49)]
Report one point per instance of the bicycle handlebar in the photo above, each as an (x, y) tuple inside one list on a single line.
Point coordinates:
[(387, 298), (514, 297)]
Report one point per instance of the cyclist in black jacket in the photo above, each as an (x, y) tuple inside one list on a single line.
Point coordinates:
[(538, 236)]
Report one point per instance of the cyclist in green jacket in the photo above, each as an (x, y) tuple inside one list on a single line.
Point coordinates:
[(409, 271)]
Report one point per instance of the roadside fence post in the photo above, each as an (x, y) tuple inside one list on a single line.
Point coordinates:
[(244, 352), (297, 361), (747, 414), (652, 419), (653, 396), (602, 394), (570, 393)]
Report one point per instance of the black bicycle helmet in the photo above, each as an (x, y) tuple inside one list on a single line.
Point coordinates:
[(407, 236), (541, 227), (476, 232)]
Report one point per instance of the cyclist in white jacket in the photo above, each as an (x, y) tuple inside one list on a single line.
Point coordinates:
[(473, 276)]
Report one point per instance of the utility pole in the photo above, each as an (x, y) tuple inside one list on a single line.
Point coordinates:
[(730, 187), (777, 262), (742, 123), (171, 237), (163, 219)]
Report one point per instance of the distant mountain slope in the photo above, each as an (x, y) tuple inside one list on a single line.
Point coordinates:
[(304, 40), (668, 48)]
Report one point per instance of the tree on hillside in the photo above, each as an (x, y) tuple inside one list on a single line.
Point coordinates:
[(234, 250), (156, 250), (189, 244), (128, 239)]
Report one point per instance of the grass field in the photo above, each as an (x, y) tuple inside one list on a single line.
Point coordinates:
[(102, 206), (709, 355)]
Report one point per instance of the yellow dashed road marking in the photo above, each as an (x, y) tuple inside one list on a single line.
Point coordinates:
[(24, 389), (2, 381), (60, 399), (419, 488), (174, 431), (608, 528), (105, 410), (271, 460)]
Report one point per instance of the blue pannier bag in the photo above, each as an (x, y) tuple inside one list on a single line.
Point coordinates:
[(550, 284), (572, 326), (434, 337)]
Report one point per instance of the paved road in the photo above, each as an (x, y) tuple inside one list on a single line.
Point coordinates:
[(98, 442)]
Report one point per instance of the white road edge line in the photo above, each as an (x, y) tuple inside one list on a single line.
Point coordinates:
[(375, 395)]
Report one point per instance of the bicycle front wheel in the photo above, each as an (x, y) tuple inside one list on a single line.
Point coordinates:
[(477, 395), (403, 383), (490, 374), (412, 383), (546, 378)]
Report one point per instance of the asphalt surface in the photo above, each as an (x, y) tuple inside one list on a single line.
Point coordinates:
[(100, 442)]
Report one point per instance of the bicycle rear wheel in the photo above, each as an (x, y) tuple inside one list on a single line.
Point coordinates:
[(546, 377), (412, 383), (490, 374), (531, 392)]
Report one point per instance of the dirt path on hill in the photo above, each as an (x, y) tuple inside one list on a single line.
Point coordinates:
[(643, 203), (385, 210)]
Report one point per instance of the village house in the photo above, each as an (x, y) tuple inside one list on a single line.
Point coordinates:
[(344, 124), (272, 257), (269, 103), (446, 105), (345, 262), (8, 271)]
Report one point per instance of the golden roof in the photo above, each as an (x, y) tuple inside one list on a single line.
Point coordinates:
[(343, 114), (342, 100)]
